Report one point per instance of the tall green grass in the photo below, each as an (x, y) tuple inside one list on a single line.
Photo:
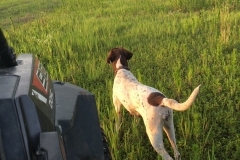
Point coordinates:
[(14, 12), (197, 5), (176, 44)]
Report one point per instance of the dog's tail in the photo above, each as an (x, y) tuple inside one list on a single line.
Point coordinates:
[(171, 103)]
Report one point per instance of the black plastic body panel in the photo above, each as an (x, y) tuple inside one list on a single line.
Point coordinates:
[(50, 142), (22, 114), (77, 117), (35, 82), (31, 123), (11, 133), (37, 115)]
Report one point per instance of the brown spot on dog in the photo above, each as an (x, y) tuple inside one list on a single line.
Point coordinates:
[(155, 98)]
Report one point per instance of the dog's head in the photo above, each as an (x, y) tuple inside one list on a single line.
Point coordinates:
[(118, 57)]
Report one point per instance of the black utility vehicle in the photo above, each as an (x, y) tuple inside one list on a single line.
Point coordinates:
[(41, 119)]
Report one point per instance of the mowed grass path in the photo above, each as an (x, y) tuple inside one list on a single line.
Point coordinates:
[(176, 47)]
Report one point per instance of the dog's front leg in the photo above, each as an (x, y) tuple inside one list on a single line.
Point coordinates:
[(117, 104)]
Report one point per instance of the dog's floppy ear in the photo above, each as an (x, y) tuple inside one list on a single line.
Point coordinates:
[(127, 54), (111, 56)]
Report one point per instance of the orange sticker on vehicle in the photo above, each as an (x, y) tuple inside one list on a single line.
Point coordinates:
[(40, 77)]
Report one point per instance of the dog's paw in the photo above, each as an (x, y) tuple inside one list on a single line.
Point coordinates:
[(168, 158), (177, 156)]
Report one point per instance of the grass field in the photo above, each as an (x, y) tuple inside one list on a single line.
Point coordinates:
[(177, 44)]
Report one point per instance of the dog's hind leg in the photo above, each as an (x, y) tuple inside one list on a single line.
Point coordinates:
[(155, 135), (169, 129), (117, 104)]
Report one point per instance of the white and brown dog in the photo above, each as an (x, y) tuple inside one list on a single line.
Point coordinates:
[(151, 104)]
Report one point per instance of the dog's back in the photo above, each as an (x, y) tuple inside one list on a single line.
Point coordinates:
[(130, 92)]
